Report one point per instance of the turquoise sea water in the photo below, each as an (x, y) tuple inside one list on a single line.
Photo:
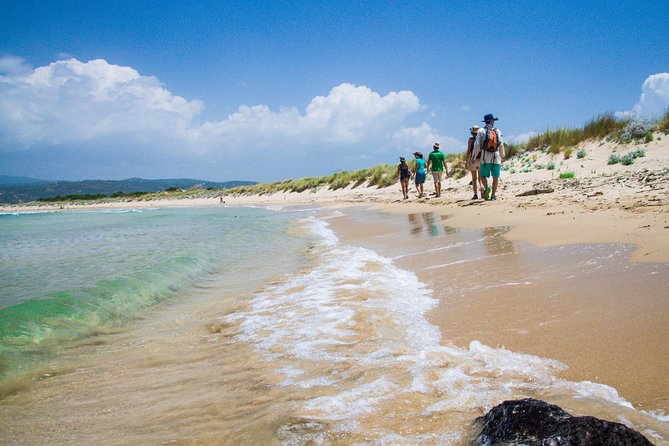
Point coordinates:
[(277, 326), (68, 275)]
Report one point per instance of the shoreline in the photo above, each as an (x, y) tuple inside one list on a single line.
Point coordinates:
[(584, 305), (603, 204), (543, 224)]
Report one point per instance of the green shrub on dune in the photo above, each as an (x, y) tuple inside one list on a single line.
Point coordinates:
[(613, 159), (627, 159)]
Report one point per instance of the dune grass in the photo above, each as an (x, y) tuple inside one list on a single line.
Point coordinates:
[(381, 175), (560, 140), (605, 125), (662, 124), (457, 163)]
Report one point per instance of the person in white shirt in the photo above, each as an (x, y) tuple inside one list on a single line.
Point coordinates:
[(489, 143)]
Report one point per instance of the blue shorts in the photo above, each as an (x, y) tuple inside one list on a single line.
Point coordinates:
[(488, 168), (420, 178)]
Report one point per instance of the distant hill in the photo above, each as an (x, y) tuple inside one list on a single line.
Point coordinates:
[(21, 189), (7, 179)]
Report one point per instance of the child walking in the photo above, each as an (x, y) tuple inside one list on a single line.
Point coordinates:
[(404, 174)]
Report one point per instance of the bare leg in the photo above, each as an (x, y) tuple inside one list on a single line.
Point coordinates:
[(475, 180), (494, 184)]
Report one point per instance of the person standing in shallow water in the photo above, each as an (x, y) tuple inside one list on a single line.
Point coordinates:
[(436, 163), (404, 174), (419, 173), (489, 143)]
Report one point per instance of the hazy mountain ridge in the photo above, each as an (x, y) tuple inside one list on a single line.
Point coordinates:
[(23, 189), (8, 179)]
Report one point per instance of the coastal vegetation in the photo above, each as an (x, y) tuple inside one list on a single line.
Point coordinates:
[(627, 158), (381, 175), (605, 128), (76, 197)]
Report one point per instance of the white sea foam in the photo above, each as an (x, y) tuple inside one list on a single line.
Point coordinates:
[(334, 214), (498, 285), (120, 211), (458, 262), (439, 248), (353, 313), (350, 404), (18, 214)]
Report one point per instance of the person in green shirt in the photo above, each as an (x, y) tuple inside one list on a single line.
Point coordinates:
[(436, 163)]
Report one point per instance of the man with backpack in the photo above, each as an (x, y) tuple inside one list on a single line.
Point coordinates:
[(489, 143)]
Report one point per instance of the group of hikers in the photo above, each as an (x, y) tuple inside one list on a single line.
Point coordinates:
[(485, 154)]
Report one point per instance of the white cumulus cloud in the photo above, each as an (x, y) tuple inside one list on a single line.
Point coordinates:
[(349, 114), (423, 137), (114, 110), (69, 101), (654, 100), (521, 139), (12, 65)]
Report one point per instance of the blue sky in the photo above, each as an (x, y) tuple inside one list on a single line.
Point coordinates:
[(271, 90)]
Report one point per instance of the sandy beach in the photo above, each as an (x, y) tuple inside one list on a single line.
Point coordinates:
[(610, 327)]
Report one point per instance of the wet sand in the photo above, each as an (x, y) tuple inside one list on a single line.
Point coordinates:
[(585, 305)]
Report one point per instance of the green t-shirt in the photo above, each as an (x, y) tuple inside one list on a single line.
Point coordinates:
[(437, 161)]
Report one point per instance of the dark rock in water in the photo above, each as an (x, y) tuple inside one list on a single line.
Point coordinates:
[(536, 423)]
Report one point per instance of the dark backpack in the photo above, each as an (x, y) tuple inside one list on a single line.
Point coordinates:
[(470, 147), (491, 141)]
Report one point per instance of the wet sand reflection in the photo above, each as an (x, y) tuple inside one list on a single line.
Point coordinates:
[(427, 223), (495, 243)]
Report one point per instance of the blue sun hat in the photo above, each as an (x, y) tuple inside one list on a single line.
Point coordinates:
[(489, 118)]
